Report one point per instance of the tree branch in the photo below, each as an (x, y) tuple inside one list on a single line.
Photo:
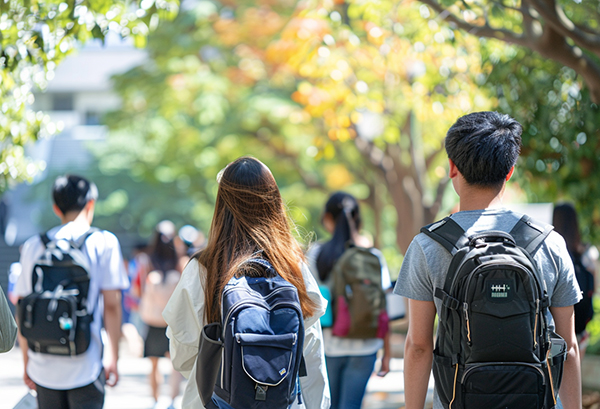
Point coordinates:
[(556, 17), (309, 180), (434, 209), (482, 31)]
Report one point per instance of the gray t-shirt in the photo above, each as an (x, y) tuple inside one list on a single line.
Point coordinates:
[(426, 263)]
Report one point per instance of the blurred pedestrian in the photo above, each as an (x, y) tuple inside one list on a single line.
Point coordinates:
[(249, 222), (158, 276), (565, 221), (76, 380), (350, 361)]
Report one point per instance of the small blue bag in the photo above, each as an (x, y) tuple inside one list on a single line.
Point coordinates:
[(327, 318)]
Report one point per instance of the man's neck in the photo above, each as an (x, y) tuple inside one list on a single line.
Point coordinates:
[(75, 217), (476, 198)]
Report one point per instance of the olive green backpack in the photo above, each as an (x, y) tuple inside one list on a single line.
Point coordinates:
[(357, 294)]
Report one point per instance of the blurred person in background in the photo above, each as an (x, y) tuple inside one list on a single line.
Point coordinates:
[(350, 361), (564, 219), (73, 382), (158, 275)]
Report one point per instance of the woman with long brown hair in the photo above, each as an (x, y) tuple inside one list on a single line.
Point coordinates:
[(249, 221)]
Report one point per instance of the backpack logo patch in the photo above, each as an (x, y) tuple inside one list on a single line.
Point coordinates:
[(500, 290)]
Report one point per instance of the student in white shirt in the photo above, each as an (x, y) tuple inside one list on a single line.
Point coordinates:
[(77, 382), (249, 220)]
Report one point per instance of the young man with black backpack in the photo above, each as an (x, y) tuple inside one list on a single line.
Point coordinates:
[(502, 285), (70, 286)]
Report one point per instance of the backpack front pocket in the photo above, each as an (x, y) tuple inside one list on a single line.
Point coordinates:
[(267, 359), (497, 385), (266, 380)]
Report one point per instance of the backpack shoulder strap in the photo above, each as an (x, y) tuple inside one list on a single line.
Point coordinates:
[(448, 233), (45, 239), (81, 241), (530, 234)]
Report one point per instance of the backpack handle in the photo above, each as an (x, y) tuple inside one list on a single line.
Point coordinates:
[(493, 236)]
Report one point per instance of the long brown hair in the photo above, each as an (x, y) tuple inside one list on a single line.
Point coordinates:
[(249, 218)]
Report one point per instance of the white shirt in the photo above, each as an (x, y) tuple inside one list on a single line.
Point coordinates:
[(107, 272), (185, 318)]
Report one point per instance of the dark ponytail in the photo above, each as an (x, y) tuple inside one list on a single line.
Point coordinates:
[(345, 212)]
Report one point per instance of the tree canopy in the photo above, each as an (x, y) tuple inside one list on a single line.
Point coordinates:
[(565, 31), (344, 95), (35, 36)]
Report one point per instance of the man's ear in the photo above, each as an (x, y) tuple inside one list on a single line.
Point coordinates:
[(453, 172), (57, 211), (510, 173)]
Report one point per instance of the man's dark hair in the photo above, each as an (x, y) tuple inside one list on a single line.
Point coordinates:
[(72, 193), (484, 146)]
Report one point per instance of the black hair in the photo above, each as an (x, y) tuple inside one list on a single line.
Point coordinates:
[(161, 249), (344, 209), (72, 193), (564, 219), (484, 146)]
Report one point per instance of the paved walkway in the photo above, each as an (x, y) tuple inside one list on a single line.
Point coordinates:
[(133, 390)]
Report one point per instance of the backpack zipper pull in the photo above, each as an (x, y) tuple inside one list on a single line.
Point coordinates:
[(261, 392), (537, 312), (466, 310)]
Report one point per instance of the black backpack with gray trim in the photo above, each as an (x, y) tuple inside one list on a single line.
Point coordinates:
[(54, 318), (494, 349)]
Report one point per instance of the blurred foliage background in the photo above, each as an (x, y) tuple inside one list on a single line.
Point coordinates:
[(332, 95)]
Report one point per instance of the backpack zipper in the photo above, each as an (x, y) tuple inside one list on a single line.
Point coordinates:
[(477, 366), (537, 312), (466, 310)]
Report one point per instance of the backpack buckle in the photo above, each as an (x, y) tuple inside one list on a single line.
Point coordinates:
[(261, 392)]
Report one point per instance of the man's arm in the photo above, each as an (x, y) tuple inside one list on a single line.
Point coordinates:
[(418, 352), (112, 324), (570, 389)]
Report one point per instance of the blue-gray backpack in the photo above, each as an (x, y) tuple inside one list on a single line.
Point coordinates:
[(494, 349), (54, 318), (262, 338)]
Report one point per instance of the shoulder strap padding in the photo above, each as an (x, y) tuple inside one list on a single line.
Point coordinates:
[(448, 233), (80, 242), (45, 239), (76, 243), (530, 234)]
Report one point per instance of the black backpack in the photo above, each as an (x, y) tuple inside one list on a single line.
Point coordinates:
[(494, 349), (584, 310), (54, 317)]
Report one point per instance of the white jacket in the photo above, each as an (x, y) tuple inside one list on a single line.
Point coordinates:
[(184, 315)]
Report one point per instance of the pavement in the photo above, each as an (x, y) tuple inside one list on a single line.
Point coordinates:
[(133, 390)]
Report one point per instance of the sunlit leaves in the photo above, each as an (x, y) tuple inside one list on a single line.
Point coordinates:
[(35, 36)]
